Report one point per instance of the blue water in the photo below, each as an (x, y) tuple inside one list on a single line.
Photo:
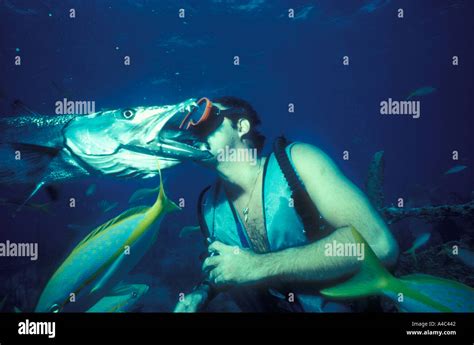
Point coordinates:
[(282, 61)]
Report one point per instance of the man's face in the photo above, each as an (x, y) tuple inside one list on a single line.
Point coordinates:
[(224, 135)]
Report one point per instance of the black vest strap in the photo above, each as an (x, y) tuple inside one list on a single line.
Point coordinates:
[(201, 220), (303, 204)]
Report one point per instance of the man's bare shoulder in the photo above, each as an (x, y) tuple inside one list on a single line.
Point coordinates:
[(310, 159)]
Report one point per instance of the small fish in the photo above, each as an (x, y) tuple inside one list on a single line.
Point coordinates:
[(104, 256), (142, 194), (455, 169), (373, 5), (419, 242), (422, 91), (21, 11), (185, 231), (159, 81), (122, 299), (303, 13), (421, 293), (91, 189), (107, 206)]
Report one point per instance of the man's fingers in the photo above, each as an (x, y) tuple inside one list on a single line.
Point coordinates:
[(214, 274), (218, 247), (210, 262), (219, 280)]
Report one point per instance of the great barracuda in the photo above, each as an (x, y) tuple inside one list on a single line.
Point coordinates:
[(128, 142)]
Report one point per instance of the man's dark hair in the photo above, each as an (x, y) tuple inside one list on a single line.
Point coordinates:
[(256, 138)]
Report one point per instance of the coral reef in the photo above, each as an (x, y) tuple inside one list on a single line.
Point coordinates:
[(374, 190), (429, 213), (375, 178), (436, 260)]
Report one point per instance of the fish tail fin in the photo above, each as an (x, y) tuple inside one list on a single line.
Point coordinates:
[(161, 194), (371, 278), (169, 206)]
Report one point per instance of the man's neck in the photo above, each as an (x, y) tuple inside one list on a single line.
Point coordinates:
[(239, 177)]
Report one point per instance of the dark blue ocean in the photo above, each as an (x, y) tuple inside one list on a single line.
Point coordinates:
[(283, 60)]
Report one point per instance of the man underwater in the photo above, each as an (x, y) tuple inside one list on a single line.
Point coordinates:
[(262, 218)]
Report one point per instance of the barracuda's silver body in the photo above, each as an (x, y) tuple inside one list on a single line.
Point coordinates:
[(123, 142)]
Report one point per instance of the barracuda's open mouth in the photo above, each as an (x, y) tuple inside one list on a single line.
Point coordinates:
[(174, 142), (182, 145), (171, 149)]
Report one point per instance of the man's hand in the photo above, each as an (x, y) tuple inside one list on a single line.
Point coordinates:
[(233, 265), (192, 302)]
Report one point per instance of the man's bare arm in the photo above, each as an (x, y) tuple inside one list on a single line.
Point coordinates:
[(341, 203)]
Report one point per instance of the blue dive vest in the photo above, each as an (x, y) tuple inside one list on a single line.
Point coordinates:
[(283, 225)]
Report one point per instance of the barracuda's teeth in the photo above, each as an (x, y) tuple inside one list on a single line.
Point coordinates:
[(189, 106), (204, 147)]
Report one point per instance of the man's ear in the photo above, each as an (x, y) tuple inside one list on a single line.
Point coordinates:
[(243, 127)]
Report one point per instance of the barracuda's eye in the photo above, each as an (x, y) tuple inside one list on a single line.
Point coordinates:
[(55, 308), (128, 114), (134, 294)]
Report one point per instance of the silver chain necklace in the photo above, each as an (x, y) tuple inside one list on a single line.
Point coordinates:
[(245, 210)]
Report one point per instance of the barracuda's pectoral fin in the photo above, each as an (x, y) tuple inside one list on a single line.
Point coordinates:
[(25, 163)]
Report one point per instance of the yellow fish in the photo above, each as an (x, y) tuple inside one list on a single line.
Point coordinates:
[(122, 299), (412, 293), (100, 260)]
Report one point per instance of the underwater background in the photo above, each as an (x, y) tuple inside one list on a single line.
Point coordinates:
[(282, 61)]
